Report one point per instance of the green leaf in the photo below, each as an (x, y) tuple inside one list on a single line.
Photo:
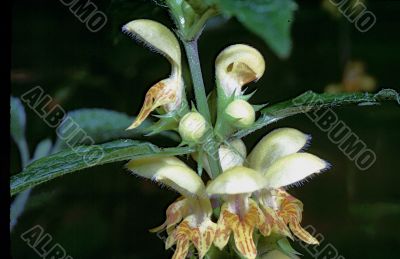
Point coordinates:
[(269, 19), (98, 126), (82, 157), (310, 101), (17, 128)]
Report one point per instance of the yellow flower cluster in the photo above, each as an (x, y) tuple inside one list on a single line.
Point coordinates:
[(251, 188)]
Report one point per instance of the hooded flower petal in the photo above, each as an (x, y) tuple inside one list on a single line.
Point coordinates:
[(171, 172), (168, 92), (237, 180), (238, 65), (278, 143), (157, 36), (292, 169), (291, 212)]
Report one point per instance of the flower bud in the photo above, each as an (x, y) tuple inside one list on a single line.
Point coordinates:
[(232, 155), (192, 127), (241, 112)]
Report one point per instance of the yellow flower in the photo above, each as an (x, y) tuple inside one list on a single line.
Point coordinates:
[(169, 92), (236, 66), (253, 194), (278, 159), (254, 198), (239, 214), (188, 219)]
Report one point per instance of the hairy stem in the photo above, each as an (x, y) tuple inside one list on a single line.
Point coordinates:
[(197, 77), (210, 145)]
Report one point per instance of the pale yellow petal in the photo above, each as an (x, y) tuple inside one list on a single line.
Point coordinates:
[(278, 143), (157, 36), (152, 164), (292, 169), (237, 180), (171, 172)]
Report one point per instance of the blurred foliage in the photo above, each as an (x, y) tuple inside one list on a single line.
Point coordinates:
[(105, 212), (270, 19), (100, 125), (354, 79)]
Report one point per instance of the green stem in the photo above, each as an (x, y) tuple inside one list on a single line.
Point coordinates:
[(202, 105), (197, 77)]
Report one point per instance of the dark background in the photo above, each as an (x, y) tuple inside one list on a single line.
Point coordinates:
[(104, 212)]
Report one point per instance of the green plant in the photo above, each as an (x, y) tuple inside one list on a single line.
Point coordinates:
[(253, 183)]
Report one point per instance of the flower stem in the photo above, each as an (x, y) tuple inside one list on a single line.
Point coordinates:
[(210, 146), (197, 77)]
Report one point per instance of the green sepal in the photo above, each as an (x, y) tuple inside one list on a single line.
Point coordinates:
[(286, 248), (247, 97), (259, 107)]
